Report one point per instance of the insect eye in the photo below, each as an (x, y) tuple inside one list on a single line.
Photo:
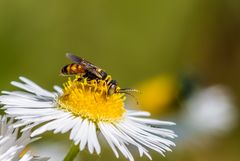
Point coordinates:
[(112, 89)]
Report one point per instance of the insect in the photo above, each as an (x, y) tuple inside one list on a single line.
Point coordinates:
[(87, 70), (83, 68)]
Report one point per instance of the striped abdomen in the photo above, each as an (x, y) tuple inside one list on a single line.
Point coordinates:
[(73, 69)]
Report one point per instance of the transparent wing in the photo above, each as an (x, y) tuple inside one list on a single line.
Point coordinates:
[(74, 58), (89, 66)]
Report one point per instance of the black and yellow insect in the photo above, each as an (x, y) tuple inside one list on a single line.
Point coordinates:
[(85, 69)]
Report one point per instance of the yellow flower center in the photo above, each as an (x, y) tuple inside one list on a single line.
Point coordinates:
[(90, 99)]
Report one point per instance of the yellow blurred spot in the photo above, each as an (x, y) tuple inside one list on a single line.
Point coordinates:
[(158, 93)]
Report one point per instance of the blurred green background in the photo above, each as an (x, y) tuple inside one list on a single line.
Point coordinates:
[(133, 41)]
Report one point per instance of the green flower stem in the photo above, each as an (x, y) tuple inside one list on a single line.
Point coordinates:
[(72, 153)]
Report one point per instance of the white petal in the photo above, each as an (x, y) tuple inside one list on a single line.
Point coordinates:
[(83, 132), (94, 138), (11, 145), (119, 144), (90, 138), (58, 89), (124, 136), (138, 113), (151, 121), (36, 87), (108, 139), (69, 123), (75, 129), (80, 134)]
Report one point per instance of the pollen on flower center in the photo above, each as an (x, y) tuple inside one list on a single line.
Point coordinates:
[(89, 99)]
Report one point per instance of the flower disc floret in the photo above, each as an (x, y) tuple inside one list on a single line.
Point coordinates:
[(90, 99)]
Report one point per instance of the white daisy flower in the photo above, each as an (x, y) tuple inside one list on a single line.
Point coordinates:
[(12, 147), (210, 111), (84, 108)]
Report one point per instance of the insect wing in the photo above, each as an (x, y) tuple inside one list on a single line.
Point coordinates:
[(74, 58), (84, 63), (95, 72), (78, 60)]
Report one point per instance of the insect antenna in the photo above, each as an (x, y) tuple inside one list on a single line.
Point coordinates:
[(128, 92)]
